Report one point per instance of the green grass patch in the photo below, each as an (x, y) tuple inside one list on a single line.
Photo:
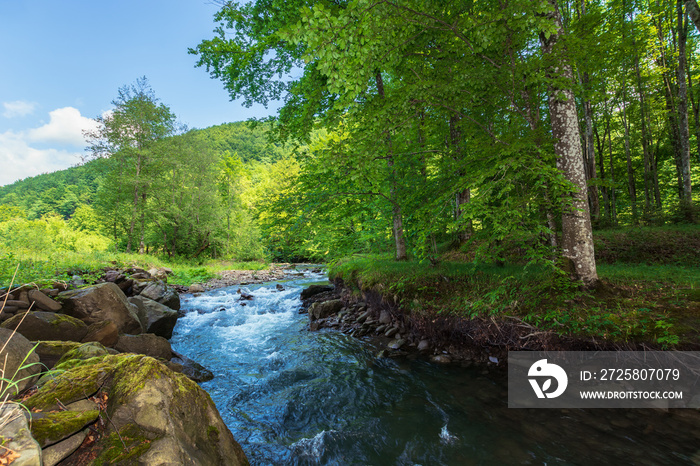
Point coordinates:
[(655, 304)]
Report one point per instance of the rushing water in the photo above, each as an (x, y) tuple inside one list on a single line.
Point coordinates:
[(291, 396)]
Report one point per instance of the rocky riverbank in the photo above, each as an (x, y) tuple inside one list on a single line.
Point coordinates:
[(440, 339), (98, 381)]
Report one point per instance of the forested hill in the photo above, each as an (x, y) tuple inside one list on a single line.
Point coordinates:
[(61, 192), (239, 138)]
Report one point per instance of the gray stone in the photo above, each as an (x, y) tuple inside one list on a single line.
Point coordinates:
[(105, 333), (320, 310), (19, 354), (50, 352), (192, 369), (313, 290), (148, 344), (42, 301), (99, 303), (155, 317), (396, 344), (18, 438), (385, 317), (41, 325), (362, 317), (424, 345), (195, 288), (56, 453), (391, 332), (441, 359)]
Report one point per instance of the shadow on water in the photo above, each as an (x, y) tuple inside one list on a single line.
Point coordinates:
[(295, 397)]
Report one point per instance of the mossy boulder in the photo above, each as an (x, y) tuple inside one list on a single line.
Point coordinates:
[(18, 362), (155, 317), (41, 325), (156, 416), (99, 303), (50, 352), (16, 437), (84, 352), (51, 428)]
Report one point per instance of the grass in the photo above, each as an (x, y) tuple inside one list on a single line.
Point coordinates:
[(45, 270), (649, 294)]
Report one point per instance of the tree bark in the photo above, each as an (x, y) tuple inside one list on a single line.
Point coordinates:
[(684, 133), (693, 10), (464, 196), (631, 187), (397, 223), (577, 234)]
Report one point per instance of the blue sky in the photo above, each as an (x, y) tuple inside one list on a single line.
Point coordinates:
[(62, 62)]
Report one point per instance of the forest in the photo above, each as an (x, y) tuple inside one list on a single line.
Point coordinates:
[(506, 132)]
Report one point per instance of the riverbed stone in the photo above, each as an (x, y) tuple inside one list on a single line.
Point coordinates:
[(196, 288), (158, 291), (99, 303), (43, 302), (54, 454), (423, 345), (52, 427), (384, 317), (147, 343), (106, 333), (42, 325), (391, 332), (155, 317), (313, 290), (441, 359), (320, 310), (50, 352), (396, 344), (162, 417), (17, 353), (192, 369)]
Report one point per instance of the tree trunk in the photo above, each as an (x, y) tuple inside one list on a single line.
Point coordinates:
[(397, 223), (695, 105), (577, 234), (464, 196), (631, 188), (693, 10), (648, 183), (684, 133)]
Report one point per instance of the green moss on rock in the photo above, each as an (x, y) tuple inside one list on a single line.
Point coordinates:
[(54, 427)]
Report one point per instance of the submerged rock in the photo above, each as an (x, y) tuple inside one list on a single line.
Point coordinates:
[(324, 309)]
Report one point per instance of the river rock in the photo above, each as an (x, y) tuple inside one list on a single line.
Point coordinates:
[(195, 288), (312, 290), (83, 352), (192, 369), (441, 359), (155, 317), (99, 303), (17, 353), (423, 345), (50, 352), (42, 301), (391, 332), (56, 453), (159, 292), (385, 317), (324, 309), (16, 303), (52, 427), (106, 333), (162, 417), (41, 325), (396, 344), (147, 343), (18, 439)]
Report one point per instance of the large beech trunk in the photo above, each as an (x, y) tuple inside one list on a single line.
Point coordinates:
[(577, 234)]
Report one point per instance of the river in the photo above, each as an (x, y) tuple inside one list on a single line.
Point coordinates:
[(294, 397)]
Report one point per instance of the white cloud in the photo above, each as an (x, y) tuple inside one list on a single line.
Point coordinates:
[(18, 108), (66, 126), (20, 158)]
